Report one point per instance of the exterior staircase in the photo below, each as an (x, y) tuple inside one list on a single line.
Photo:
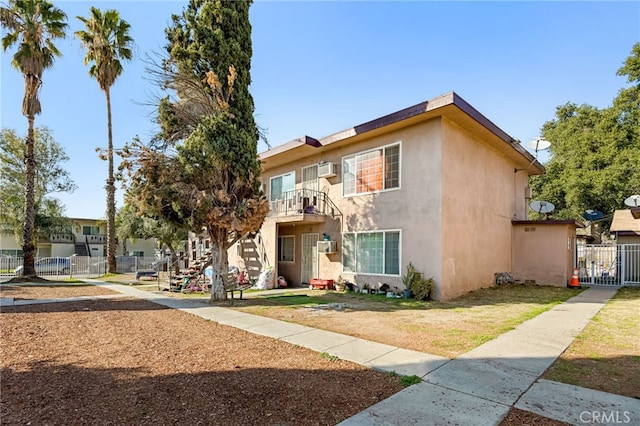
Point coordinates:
[(253, 254), (81, 249)]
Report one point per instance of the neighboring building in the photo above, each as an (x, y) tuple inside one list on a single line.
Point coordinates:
[(436, 184), (85, 237), (625, 226)]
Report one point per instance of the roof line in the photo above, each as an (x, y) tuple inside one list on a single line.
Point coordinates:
[(450, 98)]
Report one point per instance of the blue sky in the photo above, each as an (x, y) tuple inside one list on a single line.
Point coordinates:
[(321, 67)]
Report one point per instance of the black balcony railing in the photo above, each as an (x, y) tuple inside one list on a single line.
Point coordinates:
[(303, 201)]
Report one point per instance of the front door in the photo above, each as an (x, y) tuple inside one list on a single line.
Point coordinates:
[(309, 258), (310, 186)]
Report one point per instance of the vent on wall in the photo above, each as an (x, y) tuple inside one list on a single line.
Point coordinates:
[(327, 170)]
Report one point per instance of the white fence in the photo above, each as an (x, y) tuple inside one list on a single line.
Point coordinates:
[(615, 265), (75, 266)]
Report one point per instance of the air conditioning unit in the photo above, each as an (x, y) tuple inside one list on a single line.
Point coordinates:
[(326, 247), (327, 169)]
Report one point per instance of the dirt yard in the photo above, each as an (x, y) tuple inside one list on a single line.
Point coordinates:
[(126, 361)]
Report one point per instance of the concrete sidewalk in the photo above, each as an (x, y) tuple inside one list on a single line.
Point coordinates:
[(477, 388), (481, 386)]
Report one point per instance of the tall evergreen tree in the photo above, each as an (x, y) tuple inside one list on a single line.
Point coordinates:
[(106, 38), (211, 182), (33, 25), (595, 152)]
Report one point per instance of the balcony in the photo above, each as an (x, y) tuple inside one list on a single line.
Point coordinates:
[(61, 238), (302, 206), (96, 239)]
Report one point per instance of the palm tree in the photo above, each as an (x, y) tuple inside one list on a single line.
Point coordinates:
[(106, 38), (33, 25)]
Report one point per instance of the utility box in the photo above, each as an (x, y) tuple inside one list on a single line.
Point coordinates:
[(327, 247)]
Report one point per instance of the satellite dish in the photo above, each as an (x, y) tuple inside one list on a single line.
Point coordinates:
[(542, 207), (592, 215), (538, 144), (633, 201)]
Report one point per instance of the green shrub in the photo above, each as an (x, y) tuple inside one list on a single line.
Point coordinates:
[(415, 281)]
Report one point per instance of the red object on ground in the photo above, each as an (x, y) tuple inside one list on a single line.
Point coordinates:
[(318, 283), (575, 281), (282, 282)]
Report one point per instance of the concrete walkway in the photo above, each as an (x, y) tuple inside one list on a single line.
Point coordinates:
[(477, 388), (480, 386)]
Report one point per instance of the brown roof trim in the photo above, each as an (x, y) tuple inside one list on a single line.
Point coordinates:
[(441, 101), (301, 141), (635, 212), (548, 222), (394, 117)]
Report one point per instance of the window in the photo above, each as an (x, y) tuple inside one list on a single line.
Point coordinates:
[(90, 230), (282, 185), (137, 253), (371, 171), (371, 252), (286, 245)]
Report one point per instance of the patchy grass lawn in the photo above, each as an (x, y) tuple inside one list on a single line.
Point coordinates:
[(442, 328), (606, 355), (447, 329)]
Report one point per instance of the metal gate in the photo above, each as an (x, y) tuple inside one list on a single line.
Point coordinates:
[(309, 261), (613, 264)]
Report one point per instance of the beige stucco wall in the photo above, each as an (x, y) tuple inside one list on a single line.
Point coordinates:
[(543, 251), (8, 242), (479, 192), (628, 239), (145, 246), (457, 197), (414, 208)]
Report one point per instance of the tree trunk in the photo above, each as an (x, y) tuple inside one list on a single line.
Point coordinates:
[(111, 199), (219, 265), (28, 246)]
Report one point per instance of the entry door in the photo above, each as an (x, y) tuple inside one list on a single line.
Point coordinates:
[(310, 177), (310, 184), (309, 258)]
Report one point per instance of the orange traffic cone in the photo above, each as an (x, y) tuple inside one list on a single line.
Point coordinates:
[(575, 281)]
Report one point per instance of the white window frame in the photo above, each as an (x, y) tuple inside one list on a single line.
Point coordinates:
[(91, 229), (353, 156), (281, 240), (282, 190), (355, 252)]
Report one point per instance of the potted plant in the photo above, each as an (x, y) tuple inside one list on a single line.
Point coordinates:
[(407, 279), (416, 284), (341, 284)]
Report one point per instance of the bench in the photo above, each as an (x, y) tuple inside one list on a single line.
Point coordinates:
[(151, 274), (231, 285)]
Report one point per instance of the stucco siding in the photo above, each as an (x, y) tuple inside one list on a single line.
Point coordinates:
[(478, 203), (628, 239), (413, 208), (462, 182), (543, 252)]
